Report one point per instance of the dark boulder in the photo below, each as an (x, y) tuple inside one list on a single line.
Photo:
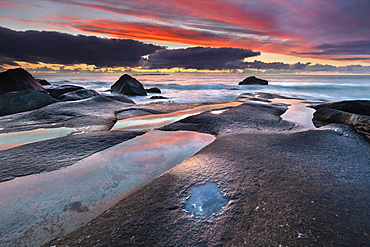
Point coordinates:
[(57, 90), (17, 80), (352, 113), (24, 100), (129, 86), (153, 90), (252, 80), (78, 95), (354, 106), (43, 82), (158, 97)]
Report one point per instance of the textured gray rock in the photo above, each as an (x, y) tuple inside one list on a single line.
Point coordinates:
[(17, 80), (57, 90), (24, 100), (78, 95), (352, 113), (252, 80), (129, 86)]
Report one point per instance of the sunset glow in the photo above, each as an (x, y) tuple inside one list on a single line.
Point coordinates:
[(334, 33)]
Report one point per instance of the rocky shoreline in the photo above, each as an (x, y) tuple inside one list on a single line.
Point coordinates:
[(286, 185)]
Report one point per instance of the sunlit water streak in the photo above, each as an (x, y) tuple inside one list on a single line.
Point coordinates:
[(159, 120), (15, 139), (37, 208)]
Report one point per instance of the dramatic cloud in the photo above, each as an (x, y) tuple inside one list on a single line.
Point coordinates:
[(61, 48), (303, 67), (199, 58)]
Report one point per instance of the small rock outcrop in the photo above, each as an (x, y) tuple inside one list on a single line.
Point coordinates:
[(78, 95), (252, 80), (129, 86), (24, 100), (353, 113), (17, 80), (153, 90), (43, 82), (57, 90), (158, 97)]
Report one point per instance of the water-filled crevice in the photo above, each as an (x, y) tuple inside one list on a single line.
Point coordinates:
[(37, 208)]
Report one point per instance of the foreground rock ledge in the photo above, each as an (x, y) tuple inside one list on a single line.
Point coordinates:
[(285, 188)]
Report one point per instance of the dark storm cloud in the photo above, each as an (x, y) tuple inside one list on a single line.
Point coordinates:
[(199, 58), (359, 47), (278, 67), (62, 48)]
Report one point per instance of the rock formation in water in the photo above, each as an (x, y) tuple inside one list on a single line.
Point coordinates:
[(17, 80), (129, 86), (252, 80), (153, 90), (78, 95)]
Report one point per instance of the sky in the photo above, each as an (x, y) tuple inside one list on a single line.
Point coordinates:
[(218, 36)]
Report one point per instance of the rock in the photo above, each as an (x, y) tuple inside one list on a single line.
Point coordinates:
[(129, 86), (57, 90), (153, 90), (252, 80), (17, 80), (324, 116), (120, 98), (25, 100), (43, 82), (354, 106), (158, 97), (78, 95)]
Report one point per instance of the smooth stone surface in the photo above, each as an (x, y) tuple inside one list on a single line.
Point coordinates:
[(57, 90)]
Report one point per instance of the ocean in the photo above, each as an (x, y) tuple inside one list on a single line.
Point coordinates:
[(195, 88)]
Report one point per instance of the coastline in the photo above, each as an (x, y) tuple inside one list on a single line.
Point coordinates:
[(286, 183)]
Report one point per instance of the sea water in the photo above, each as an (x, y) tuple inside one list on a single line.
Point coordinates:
[(195, 88)]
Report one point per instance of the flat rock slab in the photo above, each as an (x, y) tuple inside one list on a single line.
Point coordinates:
[(284, 189)]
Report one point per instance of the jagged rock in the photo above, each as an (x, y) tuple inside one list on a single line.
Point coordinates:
[(354, 106), (330, 113), (153, 90), (158, 97), (78, 95), (252, 80), (129, 86), (57, 90), (17, 80), (25, 100), (43, 82)]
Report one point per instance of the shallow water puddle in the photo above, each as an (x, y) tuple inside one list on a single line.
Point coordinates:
[(205, 200), (297, 112), (15, 139), (159, 120), (37, 208)]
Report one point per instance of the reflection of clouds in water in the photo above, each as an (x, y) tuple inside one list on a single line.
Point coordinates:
[(159, 120), (34, 205), (14, 139)]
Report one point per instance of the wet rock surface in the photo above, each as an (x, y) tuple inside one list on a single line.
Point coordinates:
[(285, 187)]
